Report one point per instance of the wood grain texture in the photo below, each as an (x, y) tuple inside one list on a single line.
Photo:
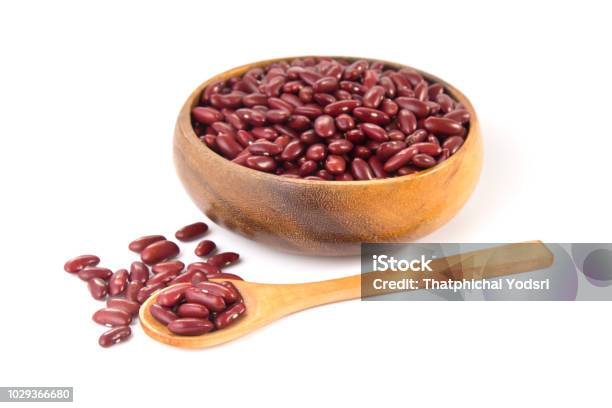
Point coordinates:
[(269, 302), (321, 217)]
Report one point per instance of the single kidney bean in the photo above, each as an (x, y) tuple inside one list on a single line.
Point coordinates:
[(114, 336), (292, 150), (452, 143), (335, 164), (97, 287), (298, 122), (308, 167), (236, 296), (400, 158), (370, 77), (228, 145), (316, 152), (131, 293), (254, 98), (128, 306), (414, 105), (325, 85), (230, 100), (371, 115), (277, 103), (443, 126), (112, 317), (170, 266), (389, 107), (146, 291), (191, 231), (90, 272), (323, 99), (164, 315), (75, 264), (406, 121), (388, 149), (205, 247), (340, 146), (336, 108), (345, 122), (261, 163), (418, 136), (223, 259), (421, 91), (361, 170), (310, 111), (139, 272), (377, 167), (214, 303), (207, 116), (292, 99), (355, 136), (204, 267), (141, 243), (374, 96), (192, 310), (432, 149), (277, 115), (324, 126), (265, 133), (187, 277), (306, 94), (159, 251), (459, 115), (118, 282), (189, 326), (229, 315), (171, 296), (218, 289), (423, 161), (374, 132), (162, 277), (447, 104), (396, 135)]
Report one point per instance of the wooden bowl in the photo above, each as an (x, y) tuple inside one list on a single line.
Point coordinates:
[(324, 217)]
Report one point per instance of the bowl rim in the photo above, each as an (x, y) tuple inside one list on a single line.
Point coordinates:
[(184, 124)]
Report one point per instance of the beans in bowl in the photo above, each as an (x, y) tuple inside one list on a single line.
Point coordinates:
[(331, 119)]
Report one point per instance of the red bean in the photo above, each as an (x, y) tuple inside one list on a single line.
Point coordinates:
[(325, 85), (419, 108), (90, 272), (223, 259), (159, 251), (141, 243), (170, 266), (207, 116), (292, 150), (98, 288), (447, 104), (406, 121), (373, 97), (335, 164), (228, 316), (340, 146), (453, 143), (114, 336), (371, 115), (255, 98), (417, 137), (146, 291), (218, 289), (75, 264), (191, 231), (139, 272), (131, 293), (236, 297), (400, 158), (163, 277), (377, 167), (172, 295), (325, 126), (112, 317), (310, 111), (443, 126), (374, 132), (118, 282), (204, 267), (164, 315), (228, 145), (388, 149), (261, 163), (423, 161), (192, 310), (336, 108), (277, 115), (265, 148), (128, 306), (205, 247), (459, 115), (213, 302), (432, 149), (190, 326), (361, 170)]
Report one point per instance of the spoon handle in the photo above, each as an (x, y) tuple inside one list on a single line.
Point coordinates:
[(484, 263)]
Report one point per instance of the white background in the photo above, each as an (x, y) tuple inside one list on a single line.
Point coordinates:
[(88, 98)]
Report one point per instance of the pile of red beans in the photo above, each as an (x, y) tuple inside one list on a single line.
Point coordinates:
[(195, 308), (331, 119), (127, 290)]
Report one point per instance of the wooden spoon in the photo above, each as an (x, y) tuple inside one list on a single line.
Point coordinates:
[(268, 302)]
